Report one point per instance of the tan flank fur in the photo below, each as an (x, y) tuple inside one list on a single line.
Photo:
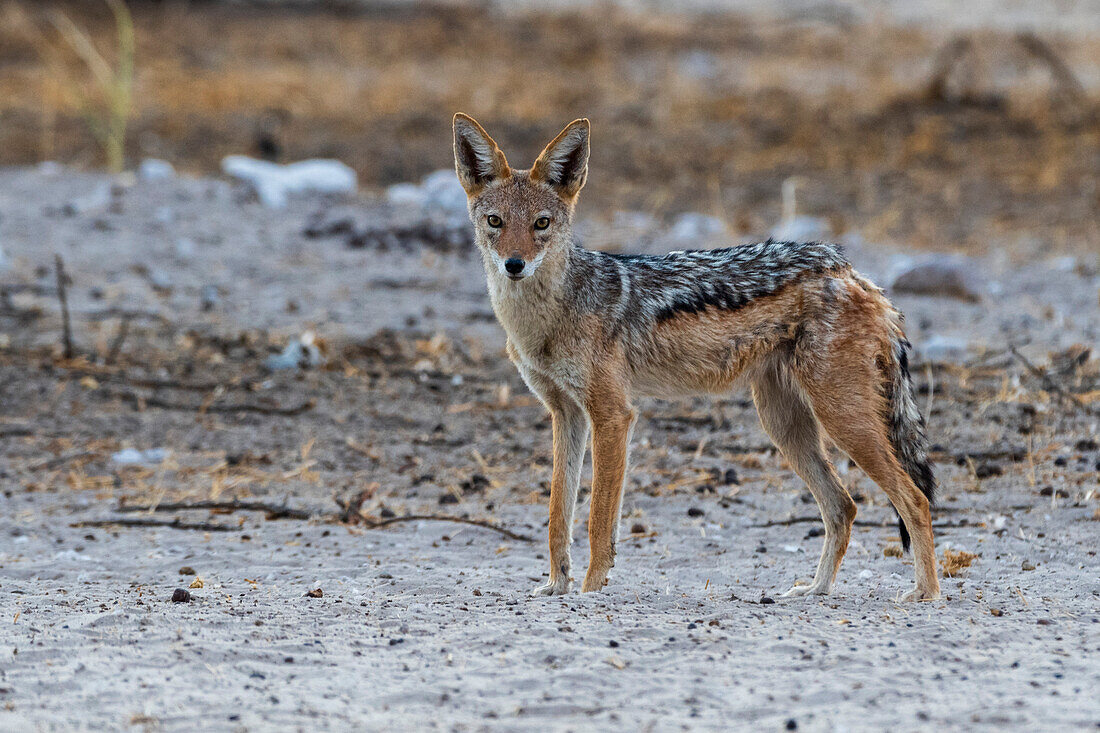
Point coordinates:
[(820, 346)]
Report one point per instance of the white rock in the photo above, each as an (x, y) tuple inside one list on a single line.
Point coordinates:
[(99, 198), (273, 183), (694, 226), (300, 353), (135, 457), (439, 190), (866, 574), (185, 248), (154, 169), (942, 349), (164, 215)]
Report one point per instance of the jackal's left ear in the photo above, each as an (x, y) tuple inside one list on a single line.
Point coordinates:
[(564, 162), (478, 159)]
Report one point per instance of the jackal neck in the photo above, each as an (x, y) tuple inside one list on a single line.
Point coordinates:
[(531, 309)]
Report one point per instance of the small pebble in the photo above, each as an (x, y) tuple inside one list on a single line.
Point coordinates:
[(179, 595), (187, 570), (695, 512), (315, 593)]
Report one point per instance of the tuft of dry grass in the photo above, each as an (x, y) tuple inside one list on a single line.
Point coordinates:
[(100, 91), (955, 561)]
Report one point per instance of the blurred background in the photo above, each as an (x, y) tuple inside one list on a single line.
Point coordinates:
[(233, 380), (939, 124)]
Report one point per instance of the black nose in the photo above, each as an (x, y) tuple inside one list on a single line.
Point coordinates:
[(514, 265)]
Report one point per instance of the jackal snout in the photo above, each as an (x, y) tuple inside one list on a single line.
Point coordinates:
[(514, 267)]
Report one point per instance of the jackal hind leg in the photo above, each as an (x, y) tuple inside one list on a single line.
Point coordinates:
[(789, 421), (848, 402)]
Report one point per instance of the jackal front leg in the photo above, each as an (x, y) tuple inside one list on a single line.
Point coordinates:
[(570, 436), (611, 429)]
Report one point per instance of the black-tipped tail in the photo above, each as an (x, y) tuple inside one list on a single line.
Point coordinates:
[(906, 430)]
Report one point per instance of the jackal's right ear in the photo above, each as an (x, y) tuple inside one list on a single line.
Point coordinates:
[(478, 159)]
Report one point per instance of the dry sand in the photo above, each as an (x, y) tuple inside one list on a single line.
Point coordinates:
[(428, 625)]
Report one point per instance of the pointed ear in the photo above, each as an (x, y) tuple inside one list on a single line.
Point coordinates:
[(564, 162), (478, 159)]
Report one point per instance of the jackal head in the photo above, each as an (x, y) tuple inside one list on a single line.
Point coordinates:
[(521, 218)]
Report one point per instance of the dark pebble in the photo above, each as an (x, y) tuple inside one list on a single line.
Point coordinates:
[(179, 595), (792, 724), (638, 528), (986, 470), (187, 570), (315, 593), (695, 512), (613, 644), (767, 601)]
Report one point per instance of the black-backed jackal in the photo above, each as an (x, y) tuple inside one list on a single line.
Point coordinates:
[(821, 347)]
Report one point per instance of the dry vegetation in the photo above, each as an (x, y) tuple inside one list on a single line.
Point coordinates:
[(897, 137)]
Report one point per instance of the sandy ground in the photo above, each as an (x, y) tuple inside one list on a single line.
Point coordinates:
[(428, 625)]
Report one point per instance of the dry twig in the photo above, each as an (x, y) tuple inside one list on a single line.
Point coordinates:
[(176, 523), (444, 518), (1048, 382), (62, 295), (274, 511)]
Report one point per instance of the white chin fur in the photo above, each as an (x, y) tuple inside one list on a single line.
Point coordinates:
[(527, 271)]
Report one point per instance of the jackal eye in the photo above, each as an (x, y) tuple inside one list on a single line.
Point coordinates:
[(494, 221), (542, 222)]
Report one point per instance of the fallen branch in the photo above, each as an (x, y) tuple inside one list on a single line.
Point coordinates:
[(803, 520), (107, 373), (274, 511), (141, 402), (150, 522), (856, 523), (1014, 454), (444, 518)]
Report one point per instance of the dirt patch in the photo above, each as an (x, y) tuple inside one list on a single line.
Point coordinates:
[(329, 623)]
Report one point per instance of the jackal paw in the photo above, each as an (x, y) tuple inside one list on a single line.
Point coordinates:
[(917, 594), (809, 589), (553, 588), (594, 582)]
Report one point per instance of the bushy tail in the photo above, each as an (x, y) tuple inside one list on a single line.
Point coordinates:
[(906, 427)]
